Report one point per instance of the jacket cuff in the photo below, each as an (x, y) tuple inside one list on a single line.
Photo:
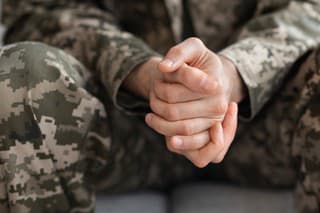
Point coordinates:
[(251, 57), (121, 99)]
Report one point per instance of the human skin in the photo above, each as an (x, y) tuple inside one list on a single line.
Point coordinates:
[(193, 94)]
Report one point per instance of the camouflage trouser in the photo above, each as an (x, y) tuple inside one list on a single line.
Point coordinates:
[(62, 139)]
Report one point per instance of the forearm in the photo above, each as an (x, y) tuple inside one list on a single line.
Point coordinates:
[(269, 45), (239, 89)]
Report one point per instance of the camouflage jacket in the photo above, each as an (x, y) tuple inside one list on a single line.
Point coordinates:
[(264, 38)]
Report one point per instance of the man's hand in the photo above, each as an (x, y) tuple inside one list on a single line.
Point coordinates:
[(193, 98), (219, 73), (208, 146), (142, 78)]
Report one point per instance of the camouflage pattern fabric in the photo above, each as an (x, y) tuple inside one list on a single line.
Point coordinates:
[(57, 147), (60, 144), (281, 146), (109, 38), (254, 34), (45, 119)]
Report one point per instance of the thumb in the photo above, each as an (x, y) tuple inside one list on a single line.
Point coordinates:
[(194, 79), (187, 52)]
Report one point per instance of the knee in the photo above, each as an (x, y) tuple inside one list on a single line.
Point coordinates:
[(37, 84), (27, 64), (15, 71), (23, 64), (31, 72)]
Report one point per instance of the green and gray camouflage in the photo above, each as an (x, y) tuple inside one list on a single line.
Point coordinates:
[(68, 131)]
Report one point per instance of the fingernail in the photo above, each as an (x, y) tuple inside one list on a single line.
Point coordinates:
[(177, 142), (167, 62), (149, 118)]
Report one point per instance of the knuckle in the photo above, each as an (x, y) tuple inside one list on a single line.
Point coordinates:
[(220, 107), (186, 129), (166, 93), (218, 159), (200, 162), (168, 96), (176, 50), (153, 105), (171, 113), (185, 76), (196, 41), (170, 147), (171, 99)]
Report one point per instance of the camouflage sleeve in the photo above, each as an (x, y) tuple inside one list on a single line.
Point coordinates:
[(270, 44), (85, 29)]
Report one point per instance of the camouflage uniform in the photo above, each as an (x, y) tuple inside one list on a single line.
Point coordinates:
[(67, 129)]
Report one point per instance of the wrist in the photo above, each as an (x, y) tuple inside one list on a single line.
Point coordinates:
[(138, 82), (238, 87)]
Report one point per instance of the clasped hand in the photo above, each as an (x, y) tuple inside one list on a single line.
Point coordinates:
[(193, 103), (193, 94)]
